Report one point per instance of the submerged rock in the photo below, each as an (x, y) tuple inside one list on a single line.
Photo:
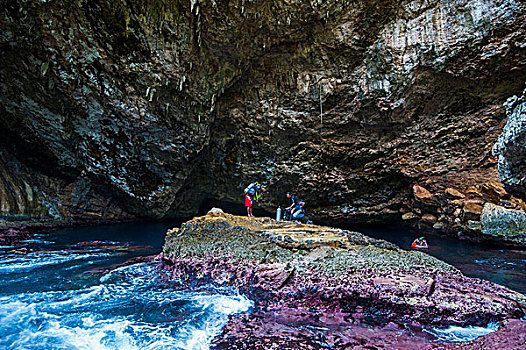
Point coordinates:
[(311, 281)]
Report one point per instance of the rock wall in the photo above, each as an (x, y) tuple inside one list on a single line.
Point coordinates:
[(507, 224), (29, 197), (159, 106), (511, 147)]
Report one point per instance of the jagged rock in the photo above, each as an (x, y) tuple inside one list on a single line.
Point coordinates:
[(454, 194), (421, 193), (409, 216), (172, 231), (503, 224), (312, 275), (216, 211), (511, 147), (439, 226), (474, 225), (429, 218), (473, 207), (492, 191)]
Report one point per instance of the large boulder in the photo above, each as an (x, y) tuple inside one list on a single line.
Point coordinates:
[(503, 224), (307, 278)]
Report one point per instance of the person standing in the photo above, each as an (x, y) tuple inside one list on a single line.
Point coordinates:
[(248, 204), (252, 192)]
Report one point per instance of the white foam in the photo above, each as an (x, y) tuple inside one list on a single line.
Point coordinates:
[(110, 315), (219, 308), (456, 334), (38, 260)]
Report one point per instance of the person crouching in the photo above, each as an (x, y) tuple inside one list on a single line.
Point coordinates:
[(298, 213)]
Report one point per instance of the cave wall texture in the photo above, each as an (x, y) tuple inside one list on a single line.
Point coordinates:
[(368, 110)]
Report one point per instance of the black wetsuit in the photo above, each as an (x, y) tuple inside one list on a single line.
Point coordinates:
[(294, 202)]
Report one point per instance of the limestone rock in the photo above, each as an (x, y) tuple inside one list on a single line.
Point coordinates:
[(491, 191), (409, 216), (474, 225), (438, 226), (215, 211), (473, 207), (504, 224), (299, 274), (429, 218)]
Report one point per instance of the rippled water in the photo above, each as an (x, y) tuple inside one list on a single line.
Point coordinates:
[(56, 298), (503, 266)]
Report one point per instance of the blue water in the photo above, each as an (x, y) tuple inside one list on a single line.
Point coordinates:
[(502, 266), (60, 294), (56, 296)]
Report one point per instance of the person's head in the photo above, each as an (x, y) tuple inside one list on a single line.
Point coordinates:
[(301, 204), (289, 195)]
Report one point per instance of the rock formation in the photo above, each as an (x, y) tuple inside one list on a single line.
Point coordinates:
[(511, 147), (151, 108), (318, 285), (507, 224)]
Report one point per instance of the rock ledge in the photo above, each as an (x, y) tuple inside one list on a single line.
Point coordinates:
[(328, 281)]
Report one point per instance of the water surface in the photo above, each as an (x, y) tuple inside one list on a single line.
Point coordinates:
[(56, 296), (503, 266), (60, 295)]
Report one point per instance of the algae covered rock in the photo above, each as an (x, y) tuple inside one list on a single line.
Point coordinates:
[(320, 276)]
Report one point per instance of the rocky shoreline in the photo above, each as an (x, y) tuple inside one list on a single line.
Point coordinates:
[(319, 287)]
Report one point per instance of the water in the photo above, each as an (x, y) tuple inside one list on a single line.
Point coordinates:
[(455, 334), (60, 295), (503, 266), (56, 297)]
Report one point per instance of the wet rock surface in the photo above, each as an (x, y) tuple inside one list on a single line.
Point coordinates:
[(319, 287), (151, 108)]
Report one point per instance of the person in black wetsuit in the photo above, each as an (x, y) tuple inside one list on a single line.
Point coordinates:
[(293, 204)]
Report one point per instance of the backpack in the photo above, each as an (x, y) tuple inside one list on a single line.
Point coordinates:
[(251, 189)]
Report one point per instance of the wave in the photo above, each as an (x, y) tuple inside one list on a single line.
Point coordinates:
[(129, 309), (456, 334), (18, 264)]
